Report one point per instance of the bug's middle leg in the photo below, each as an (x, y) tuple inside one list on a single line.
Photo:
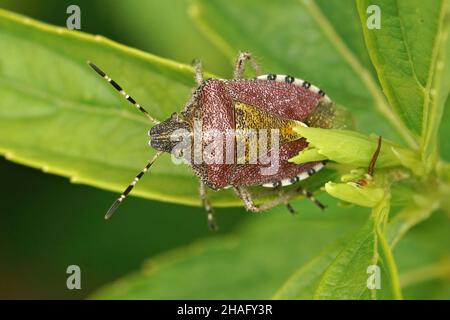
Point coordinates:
[(209, 210), (240, 65), (289, 207)]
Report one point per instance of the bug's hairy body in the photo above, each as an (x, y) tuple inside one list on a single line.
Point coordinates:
[(254, 104), (274, 103)]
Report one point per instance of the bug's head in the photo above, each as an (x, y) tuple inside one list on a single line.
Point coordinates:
[(165, 136)]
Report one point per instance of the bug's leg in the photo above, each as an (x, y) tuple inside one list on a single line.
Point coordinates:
[(308, 195), (286, 202), (122, 92), (198, 69), (209, 210), (198, 77), (283, 198), (281, 194), (286, 196), (249, 204), (240, 65), (246, 197), (290, 208)]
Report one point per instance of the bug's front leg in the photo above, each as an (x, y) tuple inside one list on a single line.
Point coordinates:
[(209, 210), (241, 60)]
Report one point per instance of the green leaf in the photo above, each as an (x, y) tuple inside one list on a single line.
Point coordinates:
[(423, 259), (347, 276), (409, 160), (429, 243), (350, 192), (308, 155), (58, 115), (353, 148), (149, 16), (302, 284), (306, 40), (409, 217), (251, 263), (411, 72)]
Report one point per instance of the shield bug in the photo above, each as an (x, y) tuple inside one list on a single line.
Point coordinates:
[(250, 111)]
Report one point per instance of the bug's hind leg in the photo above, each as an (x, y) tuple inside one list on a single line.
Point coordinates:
[(198, 69), (308, 195), (250, 205), (247, 198), (283, 198), (209, 210), (289, 207), (241, 60)]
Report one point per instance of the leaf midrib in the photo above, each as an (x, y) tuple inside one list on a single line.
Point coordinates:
[(319, 288), (408, 50)]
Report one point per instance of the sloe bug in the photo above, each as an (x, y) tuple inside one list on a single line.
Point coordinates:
[(271, 101)]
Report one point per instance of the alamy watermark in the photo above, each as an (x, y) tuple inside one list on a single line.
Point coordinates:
[(231, 146), (74, 20), (374, 17), (74, 279), (374, 280)]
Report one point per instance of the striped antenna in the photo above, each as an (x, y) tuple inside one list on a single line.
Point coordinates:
[(131, 186), (122, 92)]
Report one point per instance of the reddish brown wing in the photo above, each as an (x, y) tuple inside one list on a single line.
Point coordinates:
[(283, 99)]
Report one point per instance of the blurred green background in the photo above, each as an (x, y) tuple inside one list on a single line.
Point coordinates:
[(47, 223)]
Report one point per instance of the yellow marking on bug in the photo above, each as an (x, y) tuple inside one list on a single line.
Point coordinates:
[(251, 120), (249, 117)]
